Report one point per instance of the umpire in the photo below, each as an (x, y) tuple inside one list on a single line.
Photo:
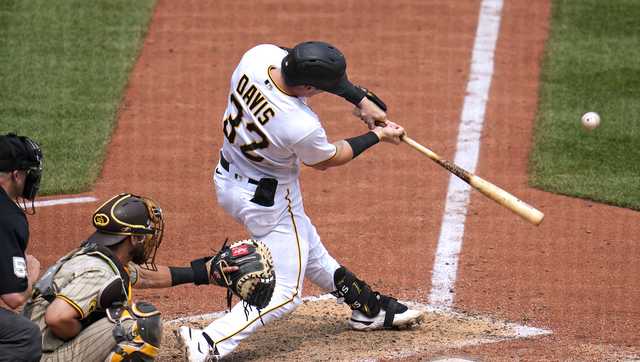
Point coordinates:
[(20, 173)]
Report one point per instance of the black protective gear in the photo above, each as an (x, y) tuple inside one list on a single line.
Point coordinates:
[(355, 293), (320, 65), (359, 296), (375, 99), (142, 342)]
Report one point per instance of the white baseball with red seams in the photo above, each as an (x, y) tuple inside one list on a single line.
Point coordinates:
[(590, 120)]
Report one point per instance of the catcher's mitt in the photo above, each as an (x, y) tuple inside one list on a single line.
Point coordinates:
[(254, 279)]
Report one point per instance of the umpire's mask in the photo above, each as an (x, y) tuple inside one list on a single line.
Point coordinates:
[(24, 154)]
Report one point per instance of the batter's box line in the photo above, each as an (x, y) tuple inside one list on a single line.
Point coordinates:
[(520, 331), (64, 201)]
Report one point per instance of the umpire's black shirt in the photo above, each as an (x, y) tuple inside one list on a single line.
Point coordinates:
[(14, 235)]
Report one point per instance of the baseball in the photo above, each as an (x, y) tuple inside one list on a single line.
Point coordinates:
[(590, 120)]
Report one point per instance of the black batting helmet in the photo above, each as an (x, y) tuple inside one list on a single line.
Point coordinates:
[(318, 64)]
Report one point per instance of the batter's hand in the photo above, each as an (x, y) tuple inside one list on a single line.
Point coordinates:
[(391, 132), (369, 113)]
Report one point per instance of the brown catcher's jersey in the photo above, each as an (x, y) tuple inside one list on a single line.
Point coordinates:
[(79, 282)]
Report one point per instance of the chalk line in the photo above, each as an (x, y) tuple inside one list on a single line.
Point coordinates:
[(467, 150), (68, 200)]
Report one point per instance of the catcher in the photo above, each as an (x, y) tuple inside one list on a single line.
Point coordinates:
[(83, 303)]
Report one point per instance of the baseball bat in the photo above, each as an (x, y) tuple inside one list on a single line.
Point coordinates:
[(490, 190)]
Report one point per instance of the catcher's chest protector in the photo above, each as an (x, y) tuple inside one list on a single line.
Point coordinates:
[(117, 291)]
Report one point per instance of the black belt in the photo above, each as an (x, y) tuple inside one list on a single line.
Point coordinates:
[(225, 164)]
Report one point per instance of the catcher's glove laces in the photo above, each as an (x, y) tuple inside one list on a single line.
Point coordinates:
[(247, 309)]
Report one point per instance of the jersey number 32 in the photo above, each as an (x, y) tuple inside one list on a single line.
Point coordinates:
[(234, 121)]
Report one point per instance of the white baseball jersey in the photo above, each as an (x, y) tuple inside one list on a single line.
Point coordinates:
[(267, 132)]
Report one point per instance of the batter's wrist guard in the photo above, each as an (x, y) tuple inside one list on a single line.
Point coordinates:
[(375, 99), (361, 143), (353, 94)]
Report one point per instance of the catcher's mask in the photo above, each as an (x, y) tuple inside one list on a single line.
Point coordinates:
[(318, 64), (24, 154), (125, 215)]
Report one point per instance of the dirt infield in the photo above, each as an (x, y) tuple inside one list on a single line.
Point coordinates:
[(380, 216), (318, 331)]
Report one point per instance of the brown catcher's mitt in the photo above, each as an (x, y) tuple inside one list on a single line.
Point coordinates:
[(254, 279)]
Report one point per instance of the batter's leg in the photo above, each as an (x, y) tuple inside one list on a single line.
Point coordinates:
[(321, 266), (290, 253), (370, 310)]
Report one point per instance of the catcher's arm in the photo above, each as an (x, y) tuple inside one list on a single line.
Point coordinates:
[(168, 276), (63, 319)]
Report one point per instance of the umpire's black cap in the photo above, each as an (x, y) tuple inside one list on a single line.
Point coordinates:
[(14, 154), (121, 216)]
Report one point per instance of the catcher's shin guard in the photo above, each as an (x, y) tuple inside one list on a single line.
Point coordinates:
[(356, 293), (140, 342)]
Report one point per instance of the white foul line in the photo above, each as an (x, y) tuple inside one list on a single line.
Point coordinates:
[(70, 200), (467, 150)]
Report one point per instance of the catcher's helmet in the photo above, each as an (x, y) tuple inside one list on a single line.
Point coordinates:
[(124, 215), (316, 63)]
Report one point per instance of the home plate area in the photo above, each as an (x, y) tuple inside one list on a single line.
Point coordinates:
[(318, 331)]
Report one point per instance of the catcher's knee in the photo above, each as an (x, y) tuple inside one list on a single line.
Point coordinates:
[(356, 293), (140, 339)]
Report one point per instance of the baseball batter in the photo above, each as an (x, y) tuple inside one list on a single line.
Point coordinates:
[(269, 130)]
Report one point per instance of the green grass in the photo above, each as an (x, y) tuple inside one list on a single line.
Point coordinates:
[(592, 63), (64, 67)]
